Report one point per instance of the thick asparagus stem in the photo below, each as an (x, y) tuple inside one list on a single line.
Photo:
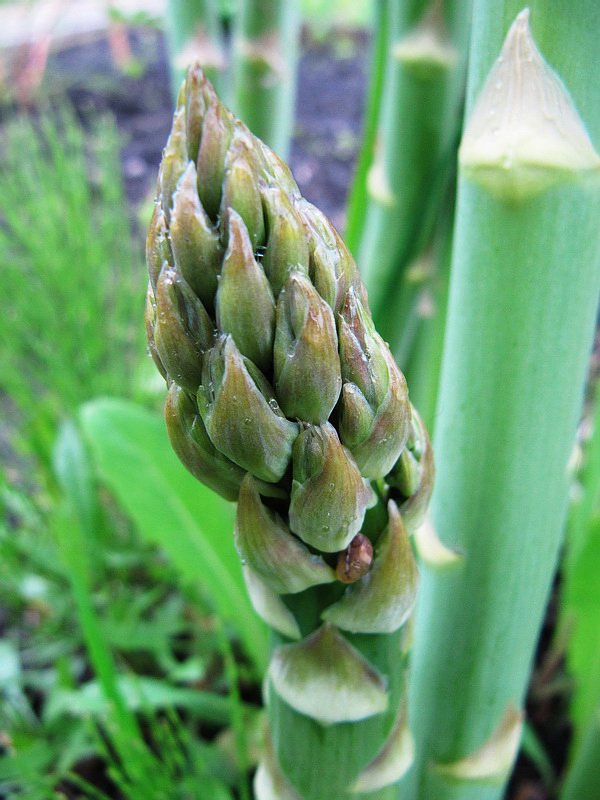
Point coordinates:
[(419, 114), (523, 295), (194, 34), (424, 361), (265, 55), (358, 198)]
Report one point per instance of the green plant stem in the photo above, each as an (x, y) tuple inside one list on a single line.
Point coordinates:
[(358, 198), (194, 33), (341, 751), (586, 508), (419, 114), (265, 55), (422, 366), (523, 294), (265, 58)]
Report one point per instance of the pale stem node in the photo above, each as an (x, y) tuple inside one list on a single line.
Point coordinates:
[(392, 761), (495, 757), (430, 548), (426, 48)]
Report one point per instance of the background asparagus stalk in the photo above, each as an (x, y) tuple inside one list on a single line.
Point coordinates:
[(194, 32), (523, 296), (358, 198), (419, 115), (423, 359), (265, 56), (261, 77)]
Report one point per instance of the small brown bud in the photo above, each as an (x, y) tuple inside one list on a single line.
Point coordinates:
[(355, 561)]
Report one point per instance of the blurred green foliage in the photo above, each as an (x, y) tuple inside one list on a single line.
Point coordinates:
[(580, 606), (72, 268)]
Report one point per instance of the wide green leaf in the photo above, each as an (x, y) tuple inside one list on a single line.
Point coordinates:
[(170, 508)]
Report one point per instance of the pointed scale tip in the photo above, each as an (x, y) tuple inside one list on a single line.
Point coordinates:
[(524, 133)]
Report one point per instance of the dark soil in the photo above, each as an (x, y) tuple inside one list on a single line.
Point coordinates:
[(329, 112)]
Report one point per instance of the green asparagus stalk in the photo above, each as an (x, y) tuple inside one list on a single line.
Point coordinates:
[(424, 358), (265, 56), (523, 295), (358, 197), (283, 396), (418, 120), (194, 34)]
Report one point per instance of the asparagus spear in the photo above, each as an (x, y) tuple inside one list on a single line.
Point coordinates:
[(283, 396)]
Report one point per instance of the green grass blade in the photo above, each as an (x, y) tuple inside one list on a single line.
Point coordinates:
[(140, 694), (583, 778), (581, 614), (71, 525)]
